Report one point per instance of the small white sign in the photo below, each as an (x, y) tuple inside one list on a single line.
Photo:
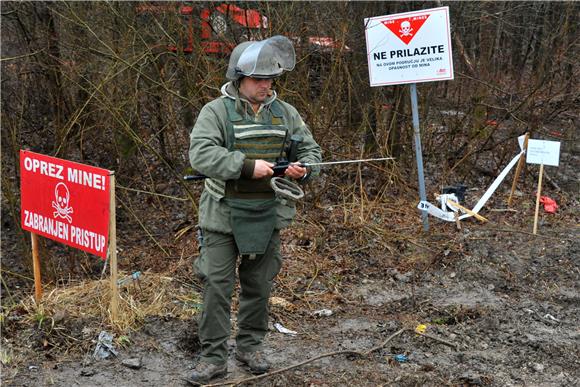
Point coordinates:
[(409, 47), (543, 152)]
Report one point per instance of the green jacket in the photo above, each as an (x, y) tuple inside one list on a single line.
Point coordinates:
[(209, 155)]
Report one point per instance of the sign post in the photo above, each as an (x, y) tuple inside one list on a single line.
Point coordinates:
[(538, 194), (543, 153), (36, 268), (408, 48), (419, 152), (113, 251)]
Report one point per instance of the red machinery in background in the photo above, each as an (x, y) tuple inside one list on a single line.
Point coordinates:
[(215, 28), (220, 27)]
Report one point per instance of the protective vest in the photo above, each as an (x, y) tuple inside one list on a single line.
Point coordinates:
[(252, 201), (257, 140)]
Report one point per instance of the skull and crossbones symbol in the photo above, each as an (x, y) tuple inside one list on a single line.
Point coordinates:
[(406, 28), (61, 205)]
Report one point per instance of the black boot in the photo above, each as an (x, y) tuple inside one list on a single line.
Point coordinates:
[(204, 371), (255, 360)]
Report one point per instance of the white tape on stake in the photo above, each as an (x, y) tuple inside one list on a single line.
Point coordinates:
[(479, 205), (437, 212), (449, 216)]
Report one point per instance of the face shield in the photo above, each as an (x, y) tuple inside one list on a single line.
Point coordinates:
[(263, 59)]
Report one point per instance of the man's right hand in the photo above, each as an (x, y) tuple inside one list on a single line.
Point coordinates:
[(262, 169)]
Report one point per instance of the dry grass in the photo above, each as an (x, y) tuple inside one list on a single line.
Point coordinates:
[(152, 295)]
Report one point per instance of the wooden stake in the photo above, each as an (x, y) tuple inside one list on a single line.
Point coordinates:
[(457, 221), (521, 163), (467, 210), (538, 199), (36, 268), (113, 252)]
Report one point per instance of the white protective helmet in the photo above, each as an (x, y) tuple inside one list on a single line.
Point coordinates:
[(267, 58)]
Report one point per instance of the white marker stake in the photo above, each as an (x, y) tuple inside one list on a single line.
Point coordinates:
[(518, 169), (538, 199), (544, 153)]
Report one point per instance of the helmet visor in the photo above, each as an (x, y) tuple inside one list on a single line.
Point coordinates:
[(267, 58)]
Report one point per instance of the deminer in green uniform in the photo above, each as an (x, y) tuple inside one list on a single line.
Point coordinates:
[(235, 142)]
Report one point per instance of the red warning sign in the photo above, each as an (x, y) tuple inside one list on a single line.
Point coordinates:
[(65, 201), (406, 28)]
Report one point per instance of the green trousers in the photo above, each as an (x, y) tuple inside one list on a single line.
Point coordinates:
[(216, 266)]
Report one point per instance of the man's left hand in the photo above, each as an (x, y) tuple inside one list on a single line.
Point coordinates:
[(295, 171)]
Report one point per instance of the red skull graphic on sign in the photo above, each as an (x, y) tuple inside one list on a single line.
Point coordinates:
[(61, 205), (406, 28)]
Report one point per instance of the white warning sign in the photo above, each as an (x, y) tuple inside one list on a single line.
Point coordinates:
[(409, 47), (543, 152)]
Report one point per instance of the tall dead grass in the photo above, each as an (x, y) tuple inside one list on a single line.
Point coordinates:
[(152, 295)]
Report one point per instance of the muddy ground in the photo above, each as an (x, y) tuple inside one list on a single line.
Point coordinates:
[(507, 300)]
